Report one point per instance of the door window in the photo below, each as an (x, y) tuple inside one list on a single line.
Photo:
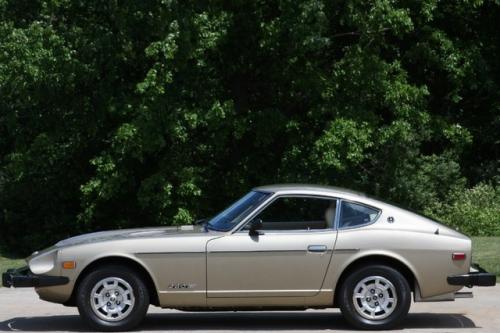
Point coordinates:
[(299, 213)]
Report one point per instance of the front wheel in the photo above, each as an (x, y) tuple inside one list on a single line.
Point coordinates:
[(112, 298), (375, 297)]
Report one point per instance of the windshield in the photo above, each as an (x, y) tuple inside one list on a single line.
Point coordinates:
[(234, 214)]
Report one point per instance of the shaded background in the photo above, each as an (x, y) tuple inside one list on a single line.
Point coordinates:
[(116, 114)]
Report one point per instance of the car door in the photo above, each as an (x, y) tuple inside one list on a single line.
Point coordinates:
[(289, 256)]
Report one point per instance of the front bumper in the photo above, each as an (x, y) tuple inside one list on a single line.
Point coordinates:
[(477, 277), (23, 277)]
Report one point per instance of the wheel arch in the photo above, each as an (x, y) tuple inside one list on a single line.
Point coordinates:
[(382, 259), (117, 260)]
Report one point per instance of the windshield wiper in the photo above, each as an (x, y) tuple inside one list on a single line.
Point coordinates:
[(200, 221), (208, 226)]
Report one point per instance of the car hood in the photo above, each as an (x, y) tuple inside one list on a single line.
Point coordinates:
[(131, 233)]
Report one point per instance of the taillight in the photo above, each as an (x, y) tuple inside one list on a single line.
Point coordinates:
[(458, 256)]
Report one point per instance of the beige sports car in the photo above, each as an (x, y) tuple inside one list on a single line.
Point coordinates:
[(278, 247)]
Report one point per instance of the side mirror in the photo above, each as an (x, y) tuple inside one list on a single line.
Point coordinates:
[(254, 226)]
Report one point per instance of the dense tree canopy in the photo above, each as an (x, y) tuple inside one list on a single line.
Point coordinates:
[(131, 113)]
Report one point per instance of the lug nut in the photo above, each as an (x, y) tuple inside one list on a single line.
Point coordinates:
[(372, 291), (108, 304), (380, 295), (368, 299), (107, 294), (376, 303), (116, 294)]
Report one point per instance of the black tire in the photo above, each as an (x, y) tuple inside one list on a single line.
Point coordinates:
[(139, 291), (399, 310)]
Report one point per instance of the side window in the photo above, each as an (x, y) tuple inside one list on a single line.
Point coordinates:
[(299, 213), (356, 215)]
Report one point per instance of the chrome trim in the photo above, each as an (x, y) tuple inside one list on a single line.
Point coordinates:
[(317, 248), (165, 253), (268, 251), (337, 215), (240, 291), (291, 232), (346, 250), (183, 291)]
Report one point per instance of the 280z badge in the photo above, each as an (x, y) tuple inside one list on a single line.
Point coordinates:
[(181, 285)]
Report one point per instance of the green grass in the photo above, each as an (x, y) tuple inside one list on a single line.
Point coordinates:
[(486, 252), (6, 263)]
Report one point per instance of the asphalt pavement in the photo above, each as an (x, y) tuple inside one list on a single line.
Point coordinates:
[(22, 311)]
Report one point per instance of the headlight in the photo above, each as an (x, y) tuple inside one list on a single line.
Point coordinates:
[(43, 262)]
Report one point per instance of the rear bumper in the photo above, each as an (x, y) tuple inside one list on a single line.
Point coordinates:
[(23, 278), (477, 277)]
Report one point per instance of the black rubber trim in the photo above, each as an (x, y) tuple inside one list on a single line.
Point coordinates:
[(480, 278), (24, 278)]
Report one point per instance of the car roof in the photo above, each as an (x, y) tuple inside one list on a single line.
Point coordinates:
[(308, 187)]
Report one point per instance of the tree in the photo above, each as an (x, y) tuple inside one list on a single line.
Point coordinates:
[(136, 113)]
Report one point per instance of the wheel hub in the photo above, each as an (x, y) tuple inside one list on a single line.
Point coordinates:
[(112, 299), (375, 298)]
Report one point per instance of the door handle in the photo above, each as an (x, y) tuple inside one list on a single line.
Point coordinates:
[(316, 248)]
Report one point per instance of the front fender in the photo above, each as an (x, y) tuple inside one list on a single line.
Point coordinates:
[(84, 256)]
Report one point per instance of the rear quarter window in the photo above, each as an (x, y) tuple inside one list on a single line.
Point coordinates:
[(354, 215)]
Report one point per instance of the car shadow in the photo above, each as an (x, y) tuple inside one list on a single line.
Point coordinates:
[(237, 321)]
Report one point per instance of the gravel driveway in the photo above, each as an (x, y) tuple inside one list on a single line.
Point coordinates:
[(21, 310)]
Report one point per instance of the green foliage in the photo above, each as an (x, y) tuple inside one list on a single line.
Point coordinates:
[(344, 144), (473, 211), (138, 113)]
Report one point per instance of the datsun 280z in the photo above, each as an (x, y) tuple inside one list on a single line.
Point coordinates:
[(278, 247)]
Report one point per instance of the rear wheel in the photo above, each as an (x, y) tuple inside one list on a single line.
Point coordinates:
[(112, 298), (375, 297)]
